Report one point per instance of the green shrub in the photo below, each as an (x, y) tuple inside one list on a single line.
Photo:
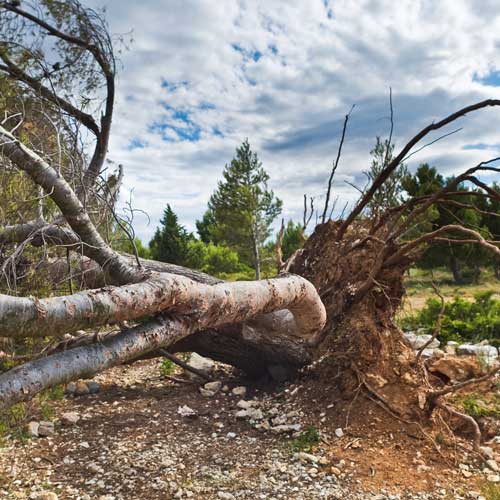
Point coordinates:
[(167, 366), (475, 406), (306, 441), (463, 320)]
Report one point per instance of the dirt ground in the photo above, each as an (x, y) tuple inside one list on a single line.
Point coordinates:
[(131, 442)]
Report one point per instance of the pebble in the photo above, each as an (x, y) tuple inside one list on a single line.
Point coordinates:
[(45, 428), (81, 388), (45, 495), (32, 429), (492, 465), (70, 417), (339, 432), (239, 391), (213, 386)]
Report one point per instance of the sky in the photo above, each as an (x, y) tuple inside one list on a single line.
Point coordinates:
[(200, 76)]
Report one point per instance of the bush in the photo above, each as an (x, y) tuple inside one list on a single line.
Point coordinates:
[(217, 260), (306, 440), (463, 320)]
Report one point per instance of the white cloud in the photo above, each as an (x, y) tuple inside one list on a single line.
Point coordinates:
[(283, 74)]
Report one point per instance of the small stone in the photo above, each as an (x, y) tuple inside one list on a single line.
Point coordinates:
[(466, 473), (94, 387), (493, 465), (239, 391), (206, 393), (224, 495), (32, 429), (231, 435), (70, 388), (339, 432), (81, 388), (186, 411), (46, 495), (245, 404), (335, 471), (306, 457), (70, 417), (45, 428), (493, 478), (488, 452), (213, 386)]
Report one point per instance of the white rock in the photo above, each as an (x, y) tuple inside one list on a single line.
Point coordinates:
[(206, 393), (186, 411), (70, 417), (493, 465), (339, 432), (45, 495), (200, 363), (231, 435), (466, 349), (306, 457), (239, 391), (245, 404), (224, 495), (488, 451), (45, 428), (421, 340), (213, 386), (493, 478), (32, 429)]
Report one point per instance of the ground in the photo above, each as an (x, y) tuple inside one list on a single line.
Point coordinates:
[(130, 442)]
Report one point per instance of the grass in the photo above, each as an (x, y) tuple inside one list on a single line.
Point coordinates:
[(490, 491), (167, 367), (305, 441)]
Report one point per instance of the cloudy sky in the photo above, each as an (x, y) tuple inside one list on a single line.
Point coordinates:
[(203, 75)]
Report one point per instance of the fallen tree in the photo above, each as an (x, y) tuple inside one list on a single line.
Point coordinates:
[(336, 299)]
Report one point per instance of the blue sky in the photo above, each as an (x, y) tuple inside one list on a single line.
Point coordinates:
[(201, 76)]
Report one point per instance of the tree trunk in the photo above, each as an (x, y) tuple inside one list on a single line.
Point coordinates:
[(256, 252), (455, 269)]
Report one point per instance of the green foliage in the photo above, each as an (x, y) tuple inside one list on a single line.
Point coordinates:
[(293, 239), (167, 366), (122, 243), (463, 320), (242, 209), (216, 260), (389, 193), (306, 440), (170, 241), (47, 411), (463, 260), (477, 406)]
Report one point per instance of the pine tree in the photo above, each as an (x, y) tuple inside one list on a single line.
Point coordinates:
[(242, 209), (170, 241), (389, 194)]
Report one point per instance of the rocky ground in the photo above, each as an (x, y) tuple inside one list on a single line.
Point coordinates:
[(137, 435)]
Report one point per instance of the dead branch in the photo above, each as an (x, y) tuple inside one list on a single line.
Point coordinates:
[(334, 166)]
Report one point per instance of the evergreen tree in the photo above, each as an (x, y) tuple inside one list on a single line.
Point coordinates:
[(293, 239), (389, 193), (170, 241), (242, 209)]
